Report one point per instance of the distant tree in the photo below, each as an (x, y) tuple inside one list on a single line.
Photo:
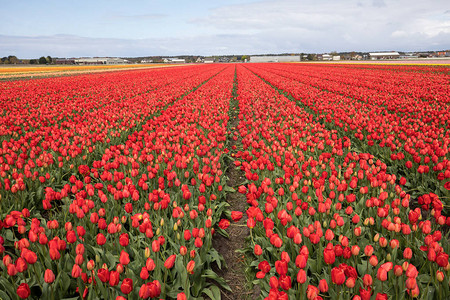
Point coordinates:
[(244, 57), (311, 57), (49, 59), (5, 60), (13, 59), (42, 60), (33, 61)]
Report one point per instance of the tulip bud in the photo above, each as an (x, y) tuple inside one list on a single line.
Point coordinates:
[(398, 271), (350, 283), (158, 231), (190, 267), (119, 268), (147, 252), (376, 237), (440, 276), (161, 223), (373, 261), (49, 276), (388, 257), (355, 250), (405, 266), (90, 265)]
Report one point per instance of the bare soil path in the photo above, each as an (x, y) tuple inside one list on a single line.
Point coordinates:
[(234, 272)]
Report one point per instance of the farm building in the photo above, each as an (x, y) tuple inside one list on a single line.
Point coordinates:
[(209, 60), (100, 61), (281, 58), (174, 60), (64, 61), (384, 55)]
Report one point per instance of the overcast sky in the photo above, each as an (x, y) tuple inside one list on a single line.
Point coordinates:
[(69, 28)]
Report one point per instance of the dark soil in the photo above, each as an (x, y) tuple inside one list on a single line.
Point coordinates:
[(234, 272)]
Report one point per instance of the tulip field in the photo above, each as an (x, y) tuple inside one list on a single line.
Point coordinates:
[(114, 185)]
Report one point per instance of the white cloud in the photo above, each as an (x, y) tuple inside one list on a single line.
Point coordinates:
[(267, 27)]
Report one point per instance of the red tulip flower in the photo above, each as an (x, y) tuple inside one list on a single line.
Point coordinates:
[(49, 277), (23, 291), (170, 261), (127, 286), (337, 276)]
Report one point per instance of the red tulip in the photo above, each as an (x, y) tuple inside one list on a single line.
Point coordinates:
[(337, 276), (285, 282), (190, 267), (114, 278), (124, 258), (103, 275), (257, 250), (224, 224), (76, 271), (127, 286), (170, 261), (323, 286), (442, 259), (236, 215), (23, 291), (329, 255), (124, 239), (301, 276), (49, 277)]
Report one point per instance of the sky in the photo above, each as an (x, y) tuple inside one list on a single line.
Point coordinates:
[(30, 28)]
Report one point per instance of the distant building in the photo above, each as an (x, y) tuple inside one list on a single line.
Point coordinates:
[(327, 57), (209, 60), (384, 55), (174, 60), (279, 58), (101, 61), (65, 61), (443, 53), (146, 61), (336, 57), (409, 56)]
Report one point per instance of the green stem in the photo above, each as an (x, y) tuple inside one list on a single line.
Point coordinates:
[(37, 277), (164, 284)]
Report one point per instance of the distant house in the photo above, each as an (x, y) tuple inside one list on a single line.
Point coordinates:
[(146, 61), (174, 60), (209, 60), (384, 55), (336, 57), (275, 58), (327, 57)]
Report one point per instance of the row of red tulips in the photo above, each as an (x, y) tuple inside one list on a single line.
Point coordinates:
[(402, 128), (137, 222), (53, 125), (327, 222)]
